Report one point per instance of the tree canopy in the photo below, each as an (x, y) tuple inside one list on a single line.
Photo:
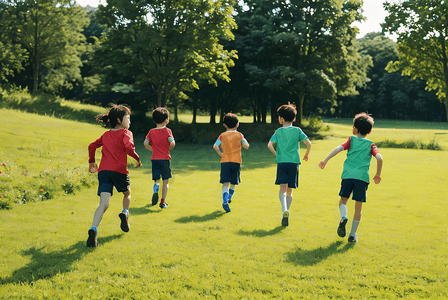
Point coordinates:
[(422, 31)]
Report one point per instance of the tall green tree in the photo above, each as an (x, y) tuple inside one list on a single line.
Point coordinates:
[(422, 30), (168, 45), (50, 32), (304, 48)]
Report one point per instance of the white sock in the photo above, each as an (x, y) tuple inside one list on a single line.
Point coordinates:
[(343, 210), (282, 197), (225, 189), (355, 225)]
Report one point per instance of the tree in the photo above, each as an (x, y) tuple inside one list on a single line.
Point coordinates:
[(50, 32), (168, 45), (422, 30), (304, 49)]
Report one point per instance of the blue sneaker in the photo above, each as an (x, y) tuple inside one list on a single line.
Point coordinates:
[(341, 228), (92, 240), (285, 220), (226, 206), (124, 221)]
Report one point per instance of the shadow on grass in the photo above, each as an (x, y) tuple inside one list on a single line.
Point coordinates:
[(312, 257), (136, 211), (262, 233), (45, 264), (198, 219)]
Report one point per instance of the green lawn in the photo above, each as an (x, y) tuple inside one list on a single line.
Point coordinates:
[(194, 250)]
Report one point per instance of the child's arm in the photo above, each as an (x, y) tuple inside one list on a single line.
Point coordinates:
[(379, 167), (330, 156), (308, 148), (271, 147), (172, 143), (245, 144), (148, 145), (216, 147)]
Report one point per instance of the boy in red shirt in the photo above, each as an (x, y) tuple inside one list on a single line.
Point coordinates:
[(160, 141), (231, 142), (116, 144)]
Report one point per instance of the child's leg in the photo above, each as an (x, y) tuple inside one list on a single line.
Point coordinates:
[(282, 196), (356, 219), (343, 211), (164, 190), (156, 186), (124, 215), (288, 197), (343, 207), (104, 205), (231, 191), (225, 196)]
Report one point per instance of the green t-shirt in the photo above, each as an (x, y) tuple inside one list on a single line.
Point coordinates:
[(357, 164), (287, 140)]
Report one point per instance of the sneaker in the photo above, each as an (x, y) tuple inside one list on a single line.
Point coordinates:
[(124, 221), (163, 205), (91, 241), (226, 207), (352, 239), (285, 220), (155, 198), (341, 228)]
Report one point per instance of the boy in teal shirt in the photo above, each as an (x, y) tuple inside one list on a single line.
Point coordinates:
[(284, 144), (355, 176)]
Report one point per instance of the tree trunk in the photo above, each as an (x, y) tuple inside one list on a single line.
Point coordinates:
[(300, 109), (36, 62), (213, 109), (195, 107)]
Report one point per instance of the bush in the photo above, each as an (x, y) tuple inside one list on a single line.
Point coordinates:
[(410, 144), (19, 186)]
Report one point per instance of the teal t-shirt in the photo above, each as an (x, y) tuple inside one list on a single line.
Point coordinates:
[(359, 155), (287, 140)]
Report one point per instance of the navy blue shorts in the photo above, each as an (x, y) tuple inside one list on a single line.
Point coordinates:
[(230, 172), (161, 167), (288, 173), (110, 179), (358, 187)]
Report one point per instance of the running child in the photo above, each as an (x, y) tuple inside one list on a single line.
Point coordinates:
[(355, 175), (160, 142), (284, 144), (230, 141), (116, 144)]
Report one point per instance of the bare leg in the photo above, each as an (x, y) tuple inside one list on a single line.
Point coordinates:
[(104, 205)]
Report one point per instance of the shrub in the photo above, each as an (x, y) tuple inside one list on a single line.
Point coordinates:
[(410, 144)]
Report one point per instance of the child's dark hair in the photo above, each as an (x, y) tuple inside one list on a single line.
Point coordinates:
[(231, 120), (363, 122), (288, 112), (115, 113), (160, 114)]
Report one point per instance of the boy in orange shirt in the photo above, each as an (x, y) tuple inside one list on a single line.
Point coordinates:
[(230, 141)]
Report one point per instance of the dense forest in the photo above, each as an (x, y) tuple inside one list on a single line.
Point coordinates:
[(217, 56)]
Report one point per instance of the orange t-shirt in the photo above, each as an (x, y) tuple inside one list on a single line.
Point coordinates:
[(231, 146)]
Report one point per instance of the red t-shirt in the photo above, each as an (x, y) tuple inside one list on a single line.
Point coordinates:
[(117, 144), (159, 140)]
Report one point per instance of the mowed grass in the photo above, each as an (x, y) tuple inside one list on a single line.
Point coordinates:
[(194, 250)]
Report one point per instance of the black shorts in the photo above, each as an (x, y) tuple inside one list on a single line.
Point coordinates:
[(230, 172), (288, 173), (110, 179), (161, 167), (358, 187)]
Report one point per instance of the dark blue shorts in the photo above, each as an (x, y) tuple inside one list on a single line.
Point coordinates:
[(110, 179), (288, 173), (230, 172), (358, 187), (161, 167)]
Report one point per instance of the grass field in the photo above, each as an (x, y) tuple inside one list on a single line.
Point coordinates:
[(193, 250)]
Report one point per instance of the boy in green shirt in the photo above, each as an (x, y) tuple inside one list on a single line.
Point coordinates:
[(284, 144), (355, 176)]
